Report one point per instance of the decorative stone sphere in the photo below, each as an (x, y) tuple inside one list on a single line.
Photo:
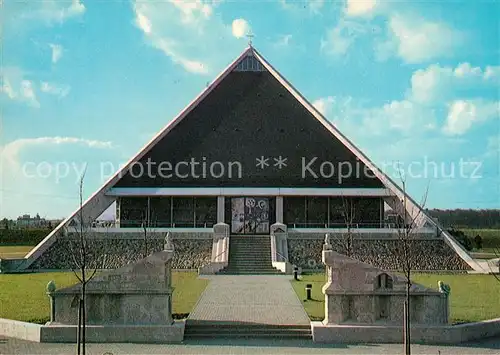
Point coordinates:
[(51, 286)]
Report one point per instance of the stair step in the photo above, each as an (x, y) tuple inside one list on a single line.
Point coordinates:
[(250, 260), (249, 255), (240, 330), (250, 263), (245, 271), (246, 258), (250, 269), (252, 336), (252, 250), (250, 246), (209, 334)]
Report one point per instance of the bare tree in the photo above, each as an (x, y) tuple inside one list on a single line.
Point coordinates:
[(406, 224), (345, 240), (145, 232), (495, 269), (84, 266)]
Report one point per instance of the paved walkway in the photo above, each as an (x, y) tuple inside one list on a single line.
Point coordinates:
[(248, 346), (486, 265), (264, 299)]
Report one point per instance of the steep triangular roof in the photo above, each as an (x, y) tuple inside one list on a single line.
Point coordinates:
[(249, 58)]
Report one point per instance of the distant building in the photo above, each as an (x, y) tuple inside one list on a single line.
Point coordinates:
[(26, 221)]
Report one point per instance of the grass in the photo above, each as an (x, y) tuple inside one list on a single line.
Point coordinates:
[(14, 251), (473, 297), (23, 297)]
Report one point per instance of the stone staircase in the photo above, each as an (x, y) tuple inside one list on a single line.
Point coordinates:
[(212, 329), (249, 255)]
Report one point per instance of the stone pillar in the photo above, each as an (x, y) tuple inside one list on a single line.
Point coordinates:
[(220, 209), (220, 245), (169, 247), (279, 242), (336, 305), (279, 209), (51, 288)]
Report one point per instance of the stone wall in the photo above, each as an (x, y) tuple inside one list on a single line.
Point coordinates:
[(448, 334), (426, 254), (113, 253)]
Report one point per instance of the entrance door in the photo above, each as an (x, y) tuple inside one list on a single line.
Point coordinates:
[(250, 215)]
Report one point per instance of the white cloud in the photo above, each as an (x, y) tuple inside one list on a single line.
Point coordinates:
[(284, 40), (404, 117), (17, 87), (361, 7), (462, 114), (55, 89), (57, 52), (28, 92), (48, 10), (339, 108), (324, 104), (340, 38), (240, 28), (189, 33), (22, 177), (10, 152), (192, 10), (143, 23), (408, 116), (492, 73), (417, 40), (7, 89), (436, 83), (424, 108)]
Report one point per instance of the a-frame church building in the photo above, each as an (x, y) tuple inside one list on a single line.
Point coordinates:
[(249, 178)]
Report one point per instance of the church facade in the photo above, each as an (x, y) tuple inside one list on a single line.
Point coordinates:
[(250, 158)]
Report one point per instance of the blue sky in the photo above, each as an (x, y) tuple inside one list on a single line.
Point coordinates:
[(90, 82)]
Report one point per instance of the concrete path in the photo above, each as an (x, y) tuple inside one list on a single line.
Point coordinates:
[(485, 266), (264, 299), (248, 346)]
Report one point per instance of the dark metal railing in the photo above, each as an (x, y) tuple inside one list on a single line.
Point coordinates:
[(151, 224)]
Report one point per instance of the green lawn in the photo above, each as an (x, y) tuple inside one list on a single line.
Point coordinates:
[(23, 297), (473, 297), (14, 251)]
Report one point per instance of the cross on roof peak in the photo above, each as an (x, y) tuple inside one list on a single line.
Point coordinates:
[(250, 36)]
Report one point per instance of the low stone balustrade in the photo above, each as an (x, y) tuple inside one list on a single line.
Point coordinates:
[(136, 296), (357, 292)]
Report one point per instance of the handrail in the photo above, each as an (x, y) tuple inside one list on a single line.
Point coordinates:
[(284, 257), (222, 252)]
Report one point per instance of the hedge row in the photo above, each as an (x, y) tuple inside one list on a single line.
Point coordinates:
[(22, 236)]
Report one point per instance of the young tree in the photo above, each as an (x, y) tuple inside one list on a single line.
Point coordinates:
[(84, 265), (5, 223), (407, 223), (145, 232), (494, 265), (345, 240)]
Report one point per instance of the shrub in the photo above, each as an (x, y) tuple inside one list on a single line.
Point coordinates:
[(39, 320), (22, 236), (461, 238)]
